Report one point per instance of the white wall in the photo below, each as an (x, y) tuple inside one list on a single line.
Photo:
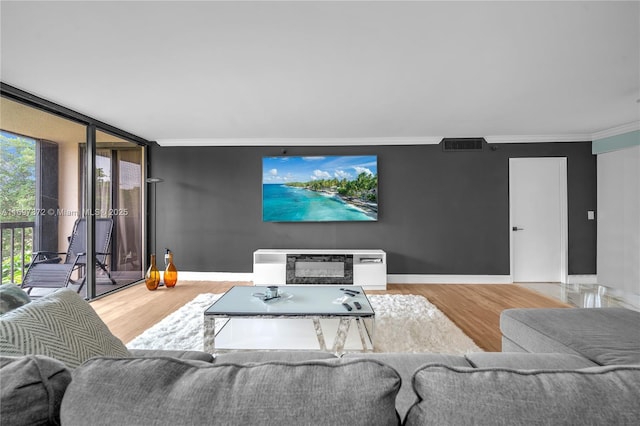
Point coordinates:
[(619, 219)]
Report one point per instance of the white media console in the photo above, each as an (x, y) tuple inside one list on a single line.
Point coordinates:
[(365, 268)]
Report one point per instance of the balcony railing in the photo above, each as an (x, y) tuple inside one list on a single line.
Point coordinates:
[(15, 249)]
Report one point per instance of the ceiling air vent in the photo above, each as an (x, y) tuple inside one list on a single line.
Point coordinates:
[(463, 144)]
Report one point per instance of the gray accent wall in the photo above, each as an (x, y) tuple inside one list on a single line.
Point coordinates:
[(439, 212)]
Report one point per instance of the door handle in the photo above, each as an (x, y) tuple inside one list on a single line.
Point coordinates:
[(515, 228)]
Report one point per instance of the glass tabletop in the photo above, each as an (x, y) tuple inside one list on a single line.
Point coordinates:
[(292, 301)]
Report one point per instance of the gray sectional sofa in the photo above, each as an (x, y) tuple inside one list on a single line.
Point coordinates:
[(565, 366), (604, 336)]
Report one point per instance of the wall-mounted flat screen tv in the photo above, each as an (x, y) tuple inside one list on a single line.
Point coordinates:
[(320, 189)]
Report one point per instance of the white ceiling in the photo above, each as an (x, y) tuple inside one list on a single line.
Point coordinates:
[(332, 72)]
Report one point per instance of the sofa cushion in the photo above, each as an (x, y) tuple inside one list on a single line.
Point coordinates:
[(406, 364), (32, 390), (265, 356), (606, 336), (527, 361), (462, 396), (167, 391), (174, 353), (11, 297), (60, 325), (510, 346)]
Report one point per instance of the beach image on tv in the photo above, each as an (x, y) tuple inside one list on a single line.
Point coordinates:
[(320, 189)]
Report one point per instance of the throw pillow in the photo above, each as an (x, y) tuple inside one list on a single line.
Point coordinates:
[(32, 390), (60, 325), (169, 391), (491, 396), (11, 297)]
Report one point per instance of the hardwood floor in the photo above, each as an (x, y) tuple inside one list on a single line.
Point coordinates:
[(474, 308), (131, 311)]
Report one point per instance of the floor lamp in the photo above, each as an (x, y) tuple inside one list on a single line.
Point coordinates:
[(154, 181)]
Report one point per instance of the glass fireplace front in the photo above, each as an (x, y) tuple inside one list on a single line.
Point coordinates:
[(319, 269)]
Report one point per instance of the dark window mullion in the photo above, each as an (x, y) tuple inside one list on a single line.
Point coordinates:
[(90, 198), (115, 204)]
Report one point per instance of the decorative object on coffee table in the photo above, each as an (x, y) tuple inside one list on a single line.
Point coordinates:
[(152, 277)]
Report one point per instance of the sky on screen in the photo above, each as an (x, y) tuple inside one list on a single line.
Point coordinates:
[(305, 169)]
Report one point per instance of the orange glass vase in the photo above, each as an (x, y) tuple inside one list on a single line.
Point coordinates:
[(170, 272), (152, 277)]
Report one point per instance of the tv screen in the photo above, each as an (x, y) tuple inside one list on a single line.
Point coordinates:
[(320, 189)]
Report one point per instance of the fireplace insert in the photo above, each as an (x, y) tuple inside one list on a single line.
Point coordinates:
[(320, 269)]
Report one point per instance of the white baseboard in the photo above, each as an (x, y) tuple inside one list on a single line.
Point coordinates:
[(215, 276), (448, 279), (391, 278), (582, 279)]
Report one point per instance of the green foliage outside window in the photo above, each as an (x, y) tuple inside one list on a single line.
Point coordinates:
[(17, 178), (17, 199)]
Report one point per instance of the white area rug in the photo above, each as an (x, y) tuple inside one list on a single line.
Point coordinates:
[(404, 323)]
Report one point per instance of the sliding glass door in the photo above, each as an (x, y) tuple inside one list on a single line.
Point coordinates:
[(118, 196), (47, 190)]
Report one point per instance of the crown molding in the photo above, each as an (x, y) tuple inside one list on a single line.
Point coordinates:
[(426, 140), (429, 140), (619, 130), (578, 137)]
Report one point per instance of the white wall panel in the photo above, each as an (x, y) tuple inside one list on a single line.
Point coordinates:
[(619, 219)]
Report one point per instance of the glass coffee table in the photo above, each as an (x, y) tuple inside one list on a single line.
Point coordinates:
[(344, 304)]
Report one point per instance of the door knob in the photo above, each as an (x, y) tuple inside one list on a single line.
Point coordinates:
[(515, 228)]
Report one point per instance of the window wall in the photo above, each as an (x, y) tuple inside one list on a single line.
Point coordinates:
[(119, 196), (47, 185)]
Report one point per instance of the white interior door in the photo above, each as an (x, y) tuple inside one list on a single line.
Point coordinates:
[(538, 215)]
